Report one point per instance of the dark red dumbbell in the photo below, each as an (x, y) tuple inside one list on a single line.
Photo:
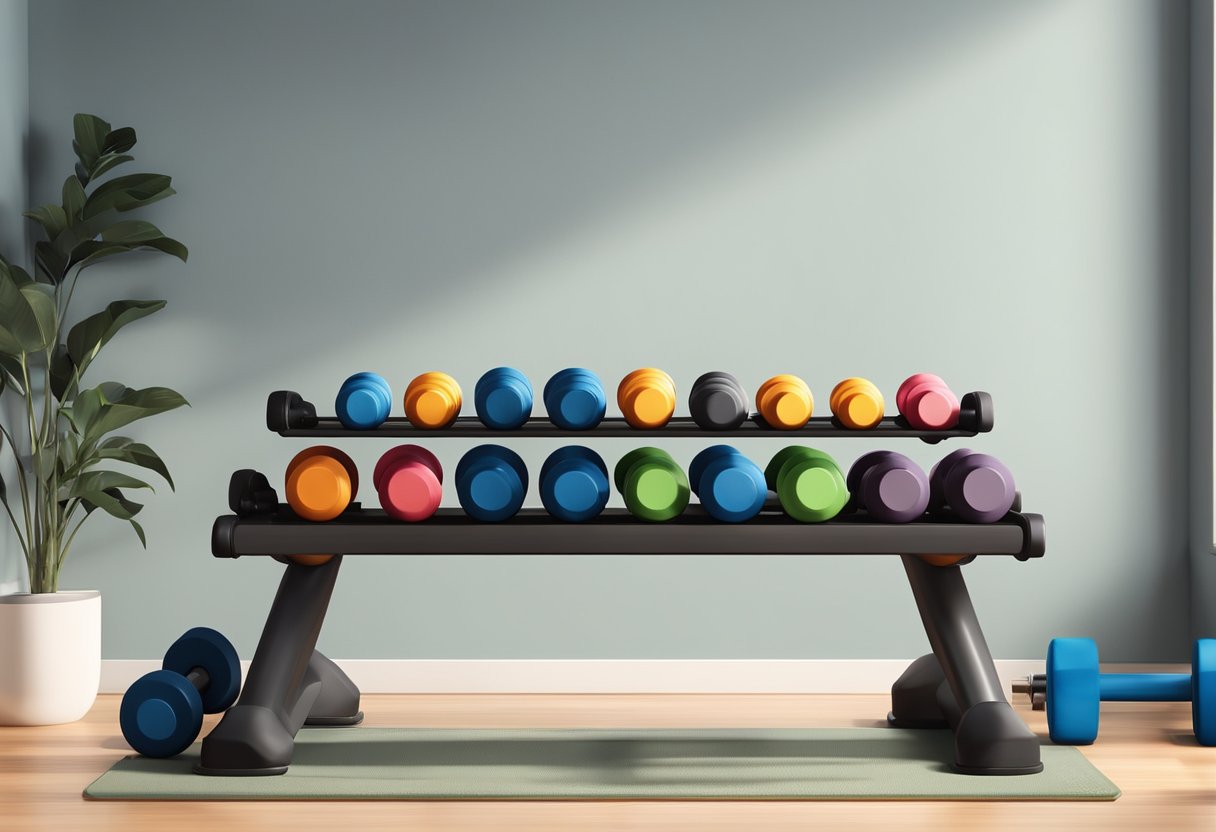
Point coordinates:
[(889, 486), (977, 487)]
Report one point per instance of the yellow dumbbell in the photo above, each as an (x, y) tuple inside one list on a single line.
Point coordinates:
[(856, 403), (647, 398), (432, 400), (785, 402)]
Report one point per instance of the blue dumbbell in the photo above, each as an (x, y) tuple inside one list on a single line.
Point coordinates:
[(575, 399), (574, 484), (503, 398), (162, 713), (364, 401), (1073, 689), (491, 482), (730, 486)]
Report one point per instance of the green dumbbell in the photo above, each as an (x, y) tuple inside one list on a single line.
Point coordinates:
[(808, 483), (653, 484)]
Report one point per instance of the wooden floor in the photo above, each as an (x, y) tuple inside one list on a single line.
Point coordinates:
[(1168, 782)]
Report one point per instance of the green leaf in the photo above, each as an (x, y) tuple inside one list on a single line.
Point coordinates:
[(105, 164), (112, 502), (27, 315), (69, 453), (139, 532), (62, 372), (141, 234), (91, 133), (88, 337), (93, 481), (52, 219), (86, 254), (119, 141), (128, 192), (10, 372), (85, 231), (73, 198), (136, 453), (49, 265), (109, 406)]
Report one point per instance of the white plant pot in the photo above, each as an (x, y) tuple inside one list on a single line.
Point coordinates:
[(50, 656)]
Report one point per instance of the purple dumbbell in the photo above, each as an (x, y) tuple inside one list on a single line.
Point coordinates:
[(977, 487), (891, 487)]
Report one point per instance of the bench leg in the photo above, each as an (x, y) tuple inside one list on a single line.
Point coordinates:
[(989, 738), (285, 681)]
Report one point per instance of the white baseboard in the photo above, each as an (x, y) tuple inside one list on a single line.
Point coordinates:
[(604, 675)]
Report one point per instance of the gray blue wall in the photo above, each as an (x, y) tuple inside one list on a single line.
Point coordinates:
[(1203, 535), (994, 192), (14, 121)]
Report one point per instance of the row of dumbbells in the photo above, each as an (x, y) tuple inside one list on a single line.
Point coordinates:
[(574, 399), (491, 483)]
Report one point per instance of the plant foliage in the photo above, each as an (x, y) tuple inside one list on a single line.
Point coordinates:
[(61, 436)]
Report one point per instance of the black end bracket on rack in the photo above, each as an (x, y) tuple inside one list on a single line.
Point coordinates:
[(288, 410), (250, 494)]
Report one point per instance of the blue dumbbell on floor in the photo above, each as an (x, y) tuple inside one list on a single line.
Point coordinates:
[(1073, 688), (162, 713)]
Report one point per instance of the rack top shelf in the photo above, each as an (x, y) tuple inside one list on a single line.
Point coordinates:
[(289, 414), (616, 532)]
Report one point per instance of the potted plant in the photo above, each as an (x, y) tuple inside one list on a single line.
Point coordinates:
[(59, 432)]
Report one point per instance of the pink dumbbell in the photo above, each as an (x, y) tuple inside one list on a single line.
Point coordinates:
[(927, 403), (409, 480)]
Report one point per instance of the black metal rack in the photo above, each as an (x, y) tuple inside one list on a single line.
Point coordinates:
[(291, 684), (289, 414)]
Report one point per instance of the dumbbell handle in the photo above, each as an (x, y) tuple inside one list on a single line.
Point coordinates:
[(1120, 687), (1145, 687), (198, 677)]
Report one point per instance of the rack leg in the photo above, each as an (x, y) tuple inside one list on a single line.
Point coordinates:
[(989, 738), (257, 734)]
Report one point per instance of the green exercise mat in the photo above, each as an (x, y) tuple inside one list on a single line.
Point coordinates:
[(611, 764)]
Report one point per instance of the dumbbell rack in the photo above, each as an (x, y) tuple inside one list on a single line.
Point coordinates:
[(290, 684)]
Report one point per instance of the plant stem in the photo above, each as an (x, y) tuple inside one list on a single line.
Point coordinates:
[(38, 582)]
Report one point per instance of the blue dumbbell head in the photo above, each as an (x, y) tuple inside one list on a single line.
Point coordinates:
[(730, 486), (161, 714), (1073, 691), (491, 482), (503, 398), (574, 399), (1203, 690), (364, 401), (574, 483), (209, 649)]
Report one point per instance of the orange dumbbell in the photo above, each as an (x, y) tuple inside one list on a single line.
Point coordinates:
[(785, 402), (432, 400), (321, 482), (856, 403), (647, 398)]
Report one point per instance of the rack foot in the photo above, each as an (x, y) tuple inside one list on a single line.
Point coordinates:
[(337, 705), (960, 679), (288, 682)]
